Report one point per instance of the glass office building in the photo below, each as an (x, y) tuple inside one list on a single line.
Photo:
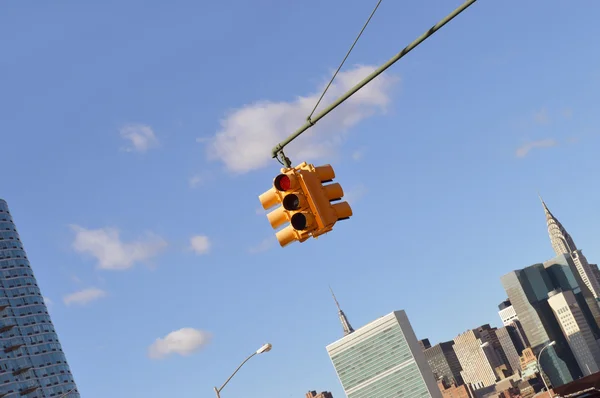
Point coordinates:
[(528, 291), (32, 363), (383, 359)]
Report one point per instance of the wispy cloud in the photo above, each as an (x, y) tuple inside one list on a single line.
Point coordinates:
[(141, 137), (541, 116), (84, 296), (49, 303), (358, 154), (200, 179), (355, 193), (264, 245), (247, 133), (106, 246), (200, 244), (567, 113), (524, 149), (184, 342)]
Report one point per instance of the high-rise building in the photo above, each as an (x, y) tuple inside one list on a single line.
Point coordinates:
[(383, 359), (512, 352), (479, 359), (313, 394), (425, 344), (576, 329), (444, 363), (528, 290), (343, 319), (507, 312), (32, 362), (562, 243)]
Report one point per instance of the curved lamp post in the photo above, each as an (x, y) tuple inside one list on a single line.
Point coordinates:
[(540, 366), (265, 348)]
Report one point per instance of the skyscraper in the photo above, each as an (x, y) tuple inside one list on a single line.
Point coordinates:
[(324, 394), (507, 312), (343, 319), (528, 290), (478, 358), (32, 362), (576, 330), (562, 243), (383, 359), (511, 351), (444, 363)]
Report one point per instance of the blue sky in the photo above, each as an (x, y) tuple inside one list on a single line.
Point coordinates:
[(136, 139)]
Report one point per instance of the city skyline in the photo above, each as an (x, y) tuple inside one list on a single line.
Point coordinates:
[(137, 137)]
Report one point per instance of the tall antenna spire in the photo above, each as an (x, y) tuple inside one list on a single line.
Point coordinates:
[(345, 324), (562, 243)]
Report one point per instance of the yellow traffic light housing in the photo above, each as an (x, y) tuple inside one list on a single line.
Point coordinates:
[(305, 202)]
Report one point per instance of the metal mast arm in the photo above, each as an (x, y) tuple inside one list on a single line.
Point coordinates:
[(310, 122), (218, 390)]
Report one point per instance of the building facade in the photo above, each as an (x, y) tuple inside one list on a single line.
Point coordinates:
[(477, 359), (383, 359), (32, 363), (324, 394), (576, 330), (509, 348), (444, 363), (425, 344), (587, 274), (507, 312), (528, 290)]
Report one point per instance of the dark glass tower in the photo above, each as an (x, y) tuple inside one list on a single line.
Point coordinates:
[(528, 291), (32, 363)]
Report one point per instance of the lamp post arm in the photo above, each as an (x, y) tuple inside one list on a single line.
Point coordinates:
[(218, 390)]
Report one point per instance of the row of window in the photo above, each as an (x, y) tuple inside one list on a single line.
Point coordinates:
[(10, 245), (24, 270), (33, 390), (18, 282)]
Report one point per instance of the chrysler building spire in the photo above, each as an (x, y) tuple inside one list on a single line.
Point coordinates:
[(562, 243), (345, 324)]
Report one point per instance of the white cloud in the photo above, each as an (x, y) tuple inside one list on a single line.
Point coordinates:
[(247, 134), (84, 296), (184, 342), (200, 244), (106, 246), (141, 137), (524, 149)]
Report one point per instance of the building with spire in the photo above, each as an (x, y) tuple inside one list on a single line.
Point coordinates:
[(562, 243), (383, 359), (343, 319)]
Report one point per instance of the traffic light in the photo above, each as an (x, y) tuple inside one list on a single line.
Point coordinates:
[(305, 202)]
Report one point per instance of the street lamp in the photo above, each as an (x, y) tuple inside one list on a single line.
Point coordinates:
[(540, 366), (265, 348)]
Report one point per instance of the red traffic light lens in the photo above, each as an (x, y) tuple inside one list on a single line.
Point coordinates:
[(282, 182)]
